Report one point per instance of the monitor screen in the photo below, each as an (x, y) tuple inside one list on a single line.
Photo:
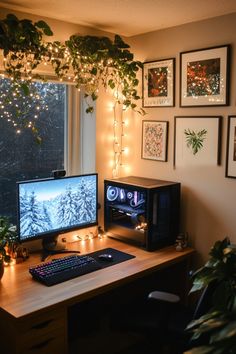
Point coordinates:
[(52, 206)]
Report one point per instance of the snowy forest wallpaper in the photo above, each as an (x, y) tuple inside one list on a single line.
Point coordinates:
[(57, 204)]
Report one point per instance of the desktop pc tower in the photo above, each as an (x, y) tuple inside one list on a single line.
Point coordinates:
[(142, 211)]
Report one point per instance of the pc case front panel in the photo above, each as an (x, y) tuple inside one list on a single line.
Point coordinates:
[(164, 217), (160, 220)]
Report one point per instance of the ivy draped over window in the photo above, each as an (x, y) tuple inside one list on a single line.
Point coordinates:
[(87, 61)]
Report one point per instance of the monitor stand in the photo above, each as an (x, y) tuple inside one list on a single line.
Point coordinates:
[(51, 246)]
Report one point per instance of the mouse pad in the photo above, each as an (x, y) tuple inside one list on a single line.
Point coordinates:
[(118, 257)]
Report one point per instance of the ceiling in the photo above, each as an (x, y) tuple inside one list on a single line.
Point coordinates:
[(124, 17)]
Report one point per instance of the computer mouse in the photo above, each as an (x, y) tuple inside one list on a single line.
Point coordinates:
[(106, 257)]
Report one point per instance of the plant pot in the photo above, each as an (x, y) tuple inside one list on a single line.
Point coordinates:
[(1, 268)]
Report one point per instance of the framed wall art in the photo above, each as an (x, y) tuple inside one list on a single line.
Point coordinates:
[(230, 170), (154, 140), (204, 77), (197, 140), (158, 83)]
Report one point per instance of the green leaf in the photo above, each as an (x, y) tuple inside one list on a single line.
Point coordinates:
[(119, 42), (218, 248), (197, 286), (140, 64), (38, 140), (90, 109), (222, 295), (7, 258), (25, 89), (208, 316), (200, 350), (94, 71), (44, 26), (12, 17), (227, 332), (111, 84), (94, 96)]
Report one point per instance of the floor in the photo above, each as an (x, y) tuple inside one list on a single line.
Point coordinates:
[(111, 343)]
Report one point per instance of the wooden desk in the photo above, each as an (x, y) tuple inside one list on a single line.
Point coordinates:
[(33, 317)]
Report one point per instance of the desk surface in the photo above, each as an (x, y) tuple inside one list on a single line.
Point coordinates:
[(21, 296)]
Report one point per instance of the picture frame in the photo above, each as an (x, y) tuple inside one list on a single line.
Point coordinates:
[(159, 83), (204, 77), (197, 141), (230, 168), (154, 140)]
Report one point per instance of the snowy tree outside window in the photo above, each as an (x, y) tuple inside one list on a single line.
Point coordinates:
[(21, 158)]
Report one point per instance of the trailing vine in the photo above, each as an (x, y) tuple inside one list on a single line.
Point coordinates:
[(87, 61)]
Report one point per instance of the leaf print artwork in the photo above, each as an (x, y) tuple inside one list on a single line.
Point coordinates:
[(195, 139)]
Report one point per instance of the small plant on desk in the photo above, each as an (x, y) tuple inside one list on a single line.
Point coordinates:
[(8, 238)]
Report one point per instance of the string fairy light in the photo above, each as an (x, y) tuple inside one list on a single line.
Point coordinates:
[(20, 110), (119, 150)]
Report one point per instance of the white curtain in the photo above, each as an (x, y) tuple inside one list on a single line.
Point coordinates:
[(72, 146), (81, 134)]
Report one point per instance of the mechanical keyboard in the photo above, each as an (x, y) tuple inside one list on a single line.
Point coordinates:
[(62, 269)]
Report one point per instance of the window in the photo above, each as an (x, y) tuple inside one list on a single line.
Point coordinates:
[(21, 157)]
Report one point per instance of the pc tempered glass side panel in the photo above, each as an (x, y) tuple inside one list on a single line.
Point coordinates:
[(52, 206), (126, 206)]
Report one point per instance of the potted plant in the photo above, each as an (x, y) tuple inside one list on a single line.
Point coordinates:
[(217, 327), (8, 238)]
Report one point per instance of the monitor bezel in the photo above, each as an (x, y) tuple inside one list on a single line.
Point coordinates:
[(59, 231)]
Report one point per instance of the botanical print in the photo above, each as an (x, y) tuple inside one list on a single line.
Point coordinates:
[(154, 140), (195, 139), (157, 82), (234, 154), (203, 77)]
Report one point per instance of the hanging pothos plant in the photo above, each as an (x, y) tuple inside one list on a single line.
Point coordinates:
[(88, 61)]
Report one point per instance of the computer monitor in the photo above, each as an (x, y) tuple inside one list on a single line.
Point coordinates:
[(50, 207)]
